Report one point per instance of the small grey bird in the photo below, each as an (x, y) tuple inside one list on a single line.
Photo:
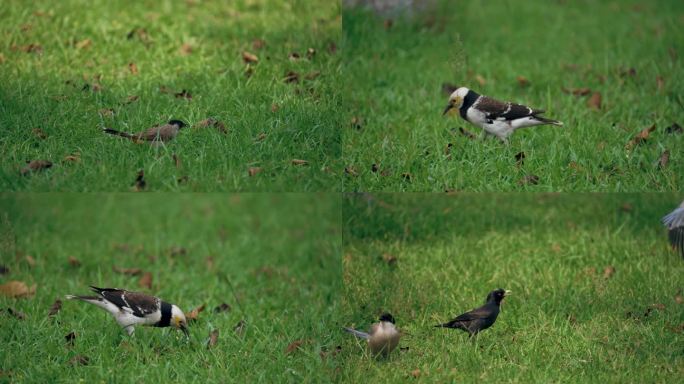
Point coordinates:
[(481, 318), (383, 337), (155, 135), (135, 308), (496, 117), (674, 221)]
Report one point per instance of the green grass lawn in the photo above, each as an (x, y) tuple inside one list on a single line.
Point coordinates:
[(70, 68), (568, 320), (618, 48), (274, 260)]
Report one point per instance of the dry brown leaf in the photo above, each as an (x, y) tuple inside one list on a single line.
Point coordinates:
[(36, 166), (133, 68), (177, 251), (299, 162), (291, 77), (183, 94), (17, 289), (127, 271), (83, 44), (16, 314), (213, 338), (312, 75), (185, 49), (594, 101), (274, 107), (146, 280), (55, 308), (73, 158), (389, 259), (212, 122), (131, 99), (79, 360), (640, 137), (578, 91), (192, 315), (480, 80), (249, 58), (522, 81), (294, 346), (679, 299), (106, 112), (357, 122), (310, 53), (415, 373), (261, 136), (39, 133), (74, 262), (258, 44), (529, 180), (664, 159), (252, 171), (350, 171), (608, 272), (224, 307)]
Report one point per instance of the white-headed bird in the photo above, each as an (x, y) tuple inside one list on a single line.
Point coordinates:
[(383, 337)]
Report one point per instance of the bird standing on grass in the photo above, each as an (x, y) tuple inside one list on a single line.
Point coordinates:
[(383, 337), (155, 135), (496, 117), (481, 318), (674, 222), (135, 308)]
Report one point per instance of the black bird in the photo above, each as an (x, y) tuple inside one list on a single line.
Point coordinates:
[(480, 318)]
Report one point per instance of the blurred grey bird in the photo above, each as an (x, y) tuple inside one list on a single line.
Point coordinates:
[(156, 135), (496, 117), (135, 308), (674, 221), (383, 337)]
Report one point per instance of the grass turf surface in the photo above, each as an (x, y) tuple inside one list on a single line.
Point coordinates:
[(51, 51), (567, 321), (277, 254), (395, 78)]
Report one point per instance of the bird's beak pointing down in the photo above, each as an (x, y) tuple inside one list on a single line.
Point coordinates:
[(448, 108), (507, 292), (185, 330)]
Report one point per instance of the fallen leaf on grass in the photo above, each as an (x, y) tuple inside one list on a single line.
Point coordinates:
[(577, 91), (192, 315), (253, 171), (249, 58), (640, 137), (357, 122), (679, 299), (73, 158), (30, 48), (212, 122), (389, 259), (291, 77), (293, 346), (131, 99), (133, 68), (415, 373), (146, 280), (529, 180), (631, 72), (79, 360), (139, 184), (36, 166), (258, 44), (480, 80), (274, 107), (664, 159), (674, 129), (55, 308), (185, 49), (299, 162), (324, 352), (310, 53), (16, 314), (127, 271), (594, 101), (522, 81), (467, 133), (183, 94), (70, 338), (224, 307), (213, 338), (239, 328), (17, 289), (39, 133), (293, 56), (608, 272), (350, 171), (177, 251), (74, 262), (312, 75), (30, 261)]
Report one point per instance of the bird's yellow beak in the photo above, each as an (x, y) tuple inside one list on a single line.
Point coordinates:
[(507, 292)]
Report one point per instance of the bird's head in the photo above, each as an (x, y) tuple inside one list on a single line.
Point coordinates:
[(497, 295), (456, 99), (178, 319), (179, 123), (387, 317)]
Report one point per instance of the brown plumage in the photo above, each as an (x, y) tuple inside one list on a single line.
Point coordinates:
[(155, 135)]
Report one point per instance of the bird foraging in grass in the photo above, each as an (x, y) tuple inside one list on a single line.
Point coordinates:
[(155, 135), (135, 308), (496, 117), (383, 337), (674, 221), (480, 318)]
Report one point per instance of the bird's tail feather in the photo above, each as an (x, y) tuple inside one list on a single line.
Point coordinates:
[(84, 298), (117, 133), (359, 334), (450, 324), (548, 121)]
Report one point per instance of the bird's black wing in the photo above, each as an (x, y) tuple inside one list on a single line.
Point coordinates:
[(139, 304), (676, 236), (495, 109), (478, 313)]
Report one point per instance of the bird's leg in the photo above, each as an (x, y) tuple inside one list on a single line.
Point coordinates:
[(130, 329)]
